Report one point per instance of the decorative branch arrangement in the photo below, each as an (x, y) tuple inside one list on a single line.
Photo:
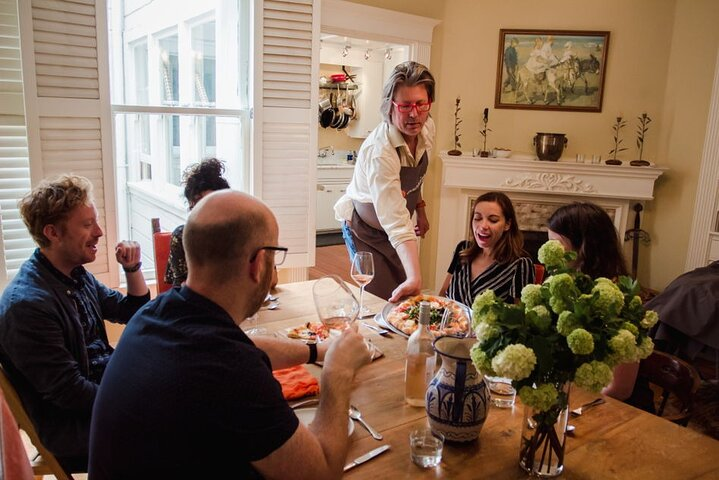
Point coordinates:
[(483, 132), (457, 121), (617, 128), (642, 127)]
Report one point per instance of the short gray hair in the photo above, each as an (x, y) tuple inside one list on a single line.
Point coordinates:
[(407, 74)]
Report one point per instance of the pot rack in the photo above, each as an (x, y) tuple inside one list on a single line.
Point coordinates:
[(340, 86)]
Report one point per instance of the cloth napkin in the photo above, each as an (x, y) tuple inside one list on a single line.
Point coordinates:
[(297, 382)]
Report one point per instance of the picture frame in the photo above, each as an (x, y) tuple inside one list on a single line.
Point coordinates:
[(551, 69)]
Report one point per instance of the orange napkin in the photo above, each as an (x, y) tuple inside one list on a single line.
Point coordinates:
[(297, 382)]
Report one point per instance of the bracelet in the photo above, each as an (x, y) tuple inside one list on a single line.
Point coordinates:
[(133, 268), (313, 352), (421, 204)]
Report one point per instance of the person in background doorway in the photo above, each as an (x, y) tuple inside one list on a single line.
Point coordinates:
[(53, 343), (494, 258), (385, 191)]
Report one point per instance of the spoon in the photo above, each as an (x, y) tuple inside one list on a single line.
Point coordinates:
[(271, 306), (381, 331), (356, 415)]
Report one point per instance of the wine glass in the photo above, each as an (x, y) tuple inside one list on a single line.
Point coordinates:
[(254, 322), (335, 303), (362, 273)]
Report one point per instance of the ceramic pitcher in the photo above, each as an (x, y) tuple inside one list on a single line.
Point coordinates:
[(457, 398)]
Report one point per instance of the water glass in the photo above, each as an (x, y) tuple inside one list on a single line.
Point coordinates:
[(501, 392), (425, 447), (580, 158), (596, 159)]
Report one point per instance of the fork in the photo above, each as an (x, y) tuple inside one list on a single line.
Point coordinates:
[(580, 410), (381, 331)]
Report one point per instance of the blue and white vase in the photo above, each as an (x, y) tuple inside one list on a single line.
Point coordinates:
[(457, 398)]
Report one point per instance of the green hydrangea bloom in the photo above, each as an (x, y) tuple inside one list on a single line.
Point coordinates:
[(485, 331), (631, 327), (481, 314), (645, 348), (580, 342), (567, 322), (624, 345), (593, 376), (532, 295), (516, 361), (543, 319), (551, 254), (558, 305), (541, 398), (481, 360), (561, 285), (610, 300), (650, 318)]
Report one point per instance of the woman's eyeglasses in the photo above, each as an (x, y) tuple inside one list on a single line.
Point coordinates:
[(408, 107)]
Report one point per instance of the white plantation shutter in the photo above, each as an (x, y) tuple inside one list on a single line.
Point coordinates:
[(285, 125), (67, 103), (15, 241)]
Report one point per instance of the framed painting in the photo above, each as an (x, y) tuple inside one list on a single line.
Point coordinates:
[(551, 70)]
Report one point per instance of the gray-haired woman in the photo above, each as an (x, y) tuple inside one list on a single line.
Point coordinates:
[(385, 191)]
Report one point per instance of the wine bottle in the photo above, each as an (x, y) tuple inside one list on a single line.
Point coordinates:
[(419, 368)]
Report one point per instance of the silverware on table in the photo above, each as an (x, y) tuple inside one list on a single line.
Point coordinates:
[(580, 410), (380, 330), (356, 415), (367, 456), (271, 306), (304, 403)]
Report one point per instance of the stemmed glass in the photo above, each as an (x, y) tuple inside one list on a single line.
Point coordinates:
[(362, 273), (254, 322), (335, 303)]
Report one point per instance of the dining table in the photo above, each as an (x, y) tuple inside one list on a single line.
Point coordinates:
[(611, 441)]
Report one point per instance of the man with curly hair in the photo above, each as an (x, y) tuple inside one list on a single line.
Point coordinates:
[(53, 343)]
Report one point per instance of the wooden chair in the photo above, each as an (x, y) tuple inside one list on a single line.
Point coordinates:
[(538, 273), (45, 463), (161, 248), (672, 377)]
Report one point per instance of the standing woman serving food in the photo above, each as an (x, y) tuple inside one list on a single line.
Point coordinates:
[(385, 191), (494, 258)]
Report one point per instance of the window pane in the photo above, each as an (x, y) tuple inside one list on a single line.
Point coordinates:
[(203, 50), (141, 79), (169, 70)]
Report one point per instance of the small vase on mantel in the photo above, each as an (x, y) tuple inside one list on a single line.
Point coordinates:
[(541, 452)]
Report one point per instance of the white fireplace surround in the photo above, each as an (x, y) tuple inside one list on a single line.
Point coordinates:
[(536, 188)]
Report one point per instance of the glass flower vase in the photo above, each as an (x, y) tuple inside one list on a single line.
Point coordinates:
[(543, 435)]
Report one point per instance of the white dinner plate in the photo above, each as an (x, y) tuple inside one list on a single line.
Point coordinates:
[(306, 415)]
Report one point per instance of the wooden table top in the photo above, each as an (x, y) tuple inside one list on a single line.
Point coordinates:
[(611, 441)]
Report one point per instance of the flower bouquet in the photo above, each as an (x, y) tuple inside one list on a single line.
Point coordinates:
[(572, 328)]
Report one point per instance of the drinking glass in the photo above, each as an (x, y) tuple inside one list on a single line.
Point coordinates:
[(426, 447), (255, 329), (362, 273), (336, 305)]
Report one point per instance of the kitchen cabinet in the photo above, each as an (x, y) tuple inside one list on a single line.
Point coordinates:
[(332, 181)]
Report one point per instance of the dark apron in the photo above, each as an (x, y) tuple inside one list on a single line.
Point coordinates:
[(369, 236)]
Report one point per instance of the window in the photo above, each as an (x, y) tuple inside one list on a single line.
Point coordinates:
[(177, 99)]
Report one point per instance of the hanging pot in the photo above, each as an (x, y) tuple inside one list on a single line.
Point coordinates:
[(549, 146), (327, 112)]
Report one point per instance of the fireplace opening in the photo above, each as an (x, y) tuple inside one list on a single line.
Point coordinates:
[(532, 241)]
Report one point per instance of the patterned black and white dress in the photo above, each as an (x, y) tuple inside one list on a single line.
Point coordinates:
[(506, 279)]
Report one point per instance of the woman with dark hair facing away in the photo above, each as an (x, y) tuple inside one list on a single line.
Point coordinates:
[(199, 180), (494, 258), (587, 229)]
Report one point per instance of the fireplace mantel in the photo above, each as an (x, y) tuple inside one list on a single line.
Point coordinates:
[(547, 184)]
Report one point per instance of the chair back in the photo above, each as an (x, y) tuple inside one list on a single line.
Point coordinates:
[(161, 249), (538, 273), (674, 378), (45, 463)]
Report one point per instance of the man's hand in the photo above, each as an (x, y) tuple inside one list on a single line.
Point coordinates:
[(348, 350), (127, 253), (405, 289)]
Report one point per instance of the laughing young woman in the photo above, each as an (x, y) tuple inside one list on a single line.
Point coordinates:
[(494, 258)]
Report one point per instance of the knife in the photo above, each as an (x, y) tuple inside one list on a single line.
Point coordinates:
[(367, 456)]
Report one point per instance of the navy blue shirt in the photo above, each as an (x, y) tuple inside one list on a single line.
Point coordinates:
[(186, 394), (51, 331)]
